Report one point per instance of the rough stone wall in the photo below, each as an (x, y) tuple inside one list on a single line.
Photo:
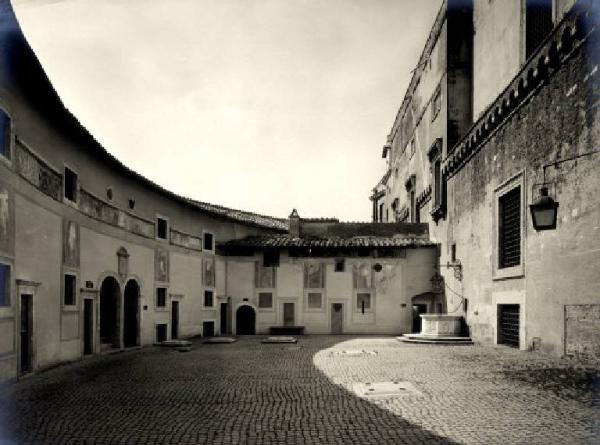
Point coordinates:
[(558, 120)]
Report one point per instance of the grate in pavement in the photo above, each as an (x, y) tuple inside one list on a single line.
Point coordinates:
[(384, 389)]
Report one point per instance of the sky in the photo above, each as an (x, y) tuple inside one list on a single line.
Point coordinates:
[(260, 105)]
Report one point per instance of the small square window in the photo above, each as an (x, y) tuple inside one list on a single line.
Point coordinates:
[(162, 228), (4, 135), (70, 179), (363, 301), (315, 300), (340, 265), (4, 285), (161, 297), (208, 241), (69, 290), (271, 258), (208, 298), (265, 300)]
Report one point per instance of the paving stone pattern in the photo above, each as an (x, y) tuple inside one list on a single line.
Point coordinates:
[(253, 393)]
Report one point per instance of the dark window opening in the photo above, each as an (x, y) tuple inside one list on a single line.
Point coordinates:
[(271, 258), (69, 290), (436, 103), (208, 328), (453, 253), (265, 300), (131, 203), (340, 265), (437, 182), (4, 135), (363, 301), (208, 241), (508, 324), (161, 297), (509, 228), (70, 179), (208, 298), (4, 285), (162, 228), (538, 24), (109, 194)]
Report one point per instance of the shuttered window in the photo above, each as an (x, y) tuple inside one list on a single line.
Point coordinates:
[(509, 225)]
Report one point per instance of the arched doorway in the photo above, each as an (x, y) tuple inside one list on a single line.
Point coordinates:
[(245, 320), (110, 295), (131, 323)]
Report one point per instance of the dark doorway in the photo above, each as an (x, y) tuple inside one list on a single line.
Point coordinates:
[(109, 312), (26, 331), (417, 310), (161, 332), (174, 320), (224, 307), (288, 314), (337, 318), (208, 328), (88, 326), (245, 319), (131, 314), (508, 324)]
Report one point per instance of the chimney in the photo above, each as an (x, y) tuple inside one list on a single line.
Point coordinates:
[(294, 222)]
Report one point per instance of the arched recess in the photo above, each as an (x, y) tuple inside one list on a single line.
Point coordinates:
[(131, 314), (110, 320), (245, 320)]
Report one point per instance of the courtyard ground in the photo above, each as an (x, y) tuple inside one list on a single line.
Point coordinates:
[(248, 392)]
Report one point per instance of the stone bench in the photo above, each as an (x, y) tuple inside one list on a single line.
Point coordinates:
[(287, 330)]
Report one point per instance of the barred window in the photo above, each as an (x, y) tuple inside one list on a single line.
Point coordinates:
[(509, 228), (69, 291)]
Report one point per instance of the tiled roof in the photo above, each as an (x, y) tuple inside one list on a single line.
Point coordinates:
[(242, 216), (285, 241)]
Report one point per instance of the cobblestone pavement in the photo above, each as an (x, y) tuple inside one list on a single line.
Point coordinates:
[(248, 392)]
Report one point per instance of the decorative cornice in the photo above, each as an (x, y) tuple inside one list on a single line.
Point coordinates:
[(573, 29)]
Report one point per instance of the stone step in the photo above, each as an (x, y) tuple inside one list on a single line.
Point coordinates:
[(435, 340)]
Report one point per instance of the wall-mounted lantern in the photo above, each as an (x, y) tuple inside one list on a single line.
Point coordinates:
[(544, 211)]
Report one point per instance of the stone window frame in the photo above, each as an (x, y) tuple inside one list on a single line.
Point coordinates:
[(438, 186), (259, 291), (158, 216), (214, 298), (436, 102), (322, 307), (65, 200), (204, 234), (358, 310), (11, 279), (73, 306), (165, 307), (518, 271), (10, 137)]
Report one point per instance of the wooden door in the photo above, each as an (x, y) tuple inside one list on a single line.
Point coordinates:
[(288, 314)]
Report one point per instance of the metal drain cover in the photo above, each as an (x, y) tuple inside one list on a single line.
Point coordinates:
[(353, 352), (385, 389)]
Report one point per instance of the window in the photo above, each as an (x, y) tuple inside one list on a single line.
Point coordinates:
[(363, 301), (70, 186), (4, 285), (265, 300), (208, 298), (314, 275), (509, 228), (436, 103), (381, 212), (340, 265), (538, 24), (413, 147), (271, 258), (315, 300), (4, 135), (162, 228), (131, 203), (437, 184), (69, 290), (208, 241), (161, 297)]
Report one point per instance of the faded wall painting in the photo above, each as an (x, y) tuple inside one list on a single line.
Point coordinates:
[(161, 262), (314, 275), (7, 219), (362, 276), (70, 243), (208, 272), (264, 277)]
